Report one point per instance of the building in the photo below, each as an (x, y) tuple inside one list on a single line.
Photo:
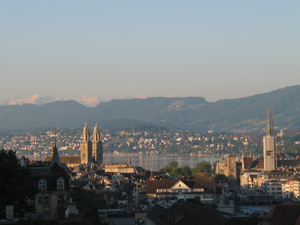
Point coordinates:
[(227, 167), (184, 187), (53, 186), (91, 151), (123, 168), (269, 146)]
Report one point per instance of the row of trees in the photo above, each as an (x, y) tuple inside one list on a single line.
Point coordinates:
[(205, 167), (174, 170)]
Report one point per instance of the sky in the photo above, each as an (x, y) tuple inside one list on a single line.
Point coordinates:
[(113, 49)]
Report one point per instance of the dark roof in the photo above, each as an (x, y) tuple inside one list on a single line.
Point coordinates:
[(207, 182), (155, 212), (54, 171), (288, 163), (65, 159), (284, 213), (192, 184), (190, 213), (248, 161), (256, 161), (152, 185)]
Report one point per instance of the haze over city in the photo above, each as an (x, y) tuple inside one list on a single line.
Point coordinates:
[(113, 49)]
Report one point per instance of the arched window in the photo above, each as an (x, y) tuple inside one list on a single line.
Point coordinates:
[(60, 183), (42, 185)]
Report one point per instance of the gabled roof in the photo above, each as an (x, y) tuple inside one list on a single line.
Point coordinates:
[(54, 171), (158, 184)]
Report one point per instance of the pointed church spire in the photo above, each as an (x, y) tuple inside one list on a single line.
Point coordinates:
[(55, 156)]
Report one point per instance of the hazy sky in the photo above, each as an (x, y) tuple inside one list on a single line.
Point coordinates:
[(112, 49)]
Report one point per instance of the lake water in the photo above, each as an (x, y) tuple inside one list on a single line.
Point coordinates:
[(148, 162), (155, 162)]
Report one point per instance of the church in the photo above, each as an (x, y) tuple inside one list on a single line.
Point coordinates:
[(91, 151)]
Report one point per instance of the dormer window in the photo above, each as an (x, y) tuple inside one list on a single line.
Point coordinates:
[(60, 183), (42, 185)]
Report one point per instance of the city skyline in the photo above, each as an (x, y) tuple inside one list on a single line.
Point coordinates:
[(216, 50)]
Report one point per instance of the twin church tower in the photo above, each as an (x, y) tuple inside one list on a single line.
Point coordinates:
[(91, 151)]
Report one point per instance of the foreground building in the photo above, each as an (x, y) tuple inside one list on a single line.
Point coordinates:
[(52, 183)]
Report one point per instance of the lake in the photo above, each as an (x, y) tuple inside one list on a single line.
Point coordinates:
[(148, 162), (155, 162)]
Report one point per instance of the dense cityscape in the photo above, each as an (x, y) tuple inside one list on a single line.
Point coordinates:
[(149, 113), (149, 140), (250, 176)]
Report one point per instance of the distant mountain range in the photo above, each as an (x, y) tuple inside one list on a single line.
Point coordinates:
[(191, 113), (39, 100)]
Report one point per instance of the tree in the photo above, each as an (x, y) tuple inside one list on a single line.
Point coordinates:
[(186, 171), (16, 184), (173, 164), (221, 178), (202, 167), (175, 172), (85, 203)]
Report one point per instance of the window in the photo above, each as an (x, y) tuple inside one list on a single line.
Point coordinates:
[(83, 155), (60, 184), (31, 202), (46, 201), (42, 185), (39, 200), (60, 200)]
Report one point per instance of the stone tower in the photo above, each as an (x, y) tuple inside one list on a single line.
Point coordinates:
[(231, 167), (269, 143), (86, 147), (97, 146)]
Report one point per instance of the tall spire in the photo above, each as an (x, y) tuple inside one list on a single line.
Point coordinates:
[(270, 128), (55, 156)]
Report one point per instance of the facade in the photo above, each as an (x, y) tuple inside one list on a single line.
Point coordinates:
[(52, 184), (53, 187), (119, 168), (249, 180), (190, 187), (117, 176), (91, 151), (227, 167), (269, 145)]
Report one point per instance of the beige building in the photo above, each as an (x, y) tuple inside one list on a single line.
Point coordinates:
[(53, 186), (119, 168), (227, 167)]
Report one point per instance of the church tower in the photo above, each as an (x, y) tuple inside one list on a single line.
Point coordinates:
[(97, 146), (55, 156), (86, 147), (269, 143)]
